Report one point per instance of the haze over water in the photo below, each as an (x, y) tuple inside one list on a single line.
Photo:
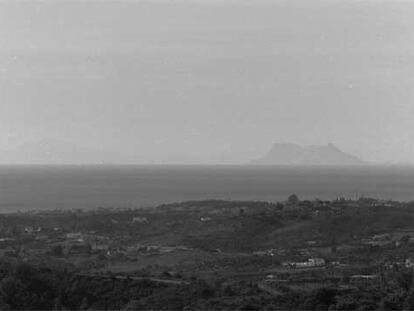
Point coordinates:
[(204, 82), (88, 187)]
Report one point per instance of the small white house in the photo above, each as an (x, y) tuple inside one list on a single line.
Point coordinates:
[(139, 220)]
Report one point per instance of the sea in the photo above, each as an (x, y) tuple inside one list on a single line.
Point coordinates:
[(24, 188)]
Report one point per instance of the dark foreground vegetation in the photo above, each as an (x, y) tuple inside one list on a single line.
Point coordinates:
[(221, 255), (24, 287)]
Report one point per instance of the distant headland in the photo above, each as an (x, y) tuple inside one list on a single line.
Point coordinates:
[(293, 154)]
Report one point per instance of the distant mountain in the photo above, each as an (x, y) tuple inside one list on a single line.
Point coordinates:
[(292, 154), (52, 152), (42, 152)]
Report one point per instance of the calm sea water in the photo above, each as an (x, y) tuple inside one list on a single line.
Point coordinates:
[(66, 187)]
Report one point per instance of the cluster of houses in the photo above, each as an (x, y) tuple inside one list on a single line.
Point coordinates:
[(310, 263), (396, 238), (306, 283), (340, 205), (270, 252)]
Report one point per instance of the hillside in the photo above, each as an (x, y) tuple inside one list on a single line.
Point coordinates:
[(211, 254)]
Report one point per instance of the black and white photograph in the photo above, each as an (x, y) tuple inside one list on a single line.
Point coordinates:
[(207, 155)]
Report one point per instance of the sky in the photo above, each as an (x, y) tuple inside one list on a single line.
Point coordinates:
[(197, 81)]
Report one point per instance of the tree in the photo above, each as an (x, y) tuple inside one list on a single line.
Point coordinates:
[(56, 250), (405, 280), (293, 199)]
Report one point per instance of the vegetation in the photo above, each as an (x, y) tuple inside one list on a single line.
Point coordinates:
[(225, 255), (25, 287)]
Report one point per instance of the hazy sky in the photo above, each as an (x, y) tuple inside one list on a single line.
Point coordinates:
[(208, 81)]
